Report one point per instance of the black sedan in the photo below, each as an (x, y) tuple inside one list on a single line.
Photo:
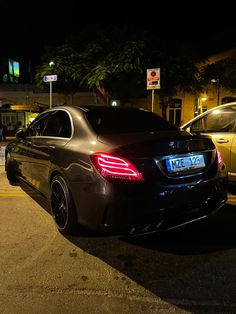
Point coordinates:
[(117, 170)]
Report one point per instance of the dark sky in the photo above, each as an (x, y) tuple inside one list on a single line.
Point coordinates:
[(29, 26)]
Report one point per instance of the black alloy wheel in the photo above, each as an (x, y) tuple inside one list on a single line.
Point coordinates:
[(62, 206), (10, 172)]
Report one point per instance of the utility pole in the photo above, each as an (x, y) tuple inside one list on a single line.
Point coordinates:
[(50, 79), (50, 91)]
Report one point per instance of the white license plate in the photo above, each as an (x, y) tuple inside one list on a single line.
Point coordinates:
[(185, 163)]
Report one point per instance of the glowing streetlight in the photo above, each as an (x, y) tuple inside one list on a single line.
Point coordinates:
[(51, 64)]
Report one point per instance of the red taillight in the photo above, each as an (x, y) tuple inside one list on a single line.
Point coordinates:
[(113, 167), (219, 156)]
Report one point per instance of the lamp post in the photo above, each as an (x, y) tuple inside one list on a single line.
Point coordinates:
[(51, 65), (50, 79), (50, 93)]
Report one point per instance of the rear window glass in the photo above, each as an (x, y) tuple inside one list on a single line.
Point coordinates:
[(116, 120)]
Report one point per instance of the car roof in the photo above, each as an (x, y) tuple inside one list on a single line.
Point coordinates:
[(107, 108), (93, 107), (207, 111)]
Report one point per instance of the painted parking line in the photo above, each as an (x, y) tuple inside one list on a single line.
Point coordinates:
[(12, 193), (7, 193)]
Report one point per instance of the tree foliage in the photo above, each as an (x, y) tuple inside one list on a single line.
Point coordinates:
[(102, 64), (113, 62), (178, 70), (65, 60), (224, 71)]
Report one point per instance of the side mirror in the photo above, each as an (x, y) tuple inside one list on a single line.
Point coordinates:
[(20, 134)]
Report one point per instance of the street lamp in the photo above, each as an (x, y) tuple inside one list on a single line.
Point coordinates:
[(50, 79), (51, 64), (216, 82)]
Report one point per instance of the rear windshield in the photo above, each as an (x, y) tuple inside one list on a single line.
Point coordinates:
[(115, 120)]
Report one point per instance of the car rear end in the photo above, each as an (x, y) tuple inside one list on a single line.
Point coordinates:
[(147, 175), (180, 178)]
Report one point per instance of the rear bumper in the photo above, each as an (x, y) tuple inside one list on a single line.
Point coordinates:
[(174, 221), (168, 208), (139, 209)]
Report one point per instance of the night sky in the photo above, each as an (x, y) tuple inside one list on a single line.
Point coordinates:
[(29, 26)]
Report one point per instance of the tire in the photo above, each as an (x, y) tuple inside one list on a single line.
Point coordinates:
[(10, 171), (62, 207)]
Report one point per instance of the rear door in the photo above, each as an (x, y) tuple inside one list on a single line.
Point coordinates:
[(220, 124)]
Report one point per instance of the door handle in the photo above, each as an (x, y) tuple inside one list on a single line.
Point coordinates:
[(51, 147), (222, 140)]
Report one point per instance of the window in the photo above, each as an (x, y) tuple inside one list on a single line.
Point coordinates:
[(127, 120), (218, 120), (175, 110), (59, 125), (37, 127), (14, 71)]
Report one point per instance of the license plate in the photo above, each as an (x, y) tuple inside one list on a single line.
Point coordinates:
[(185, 163)]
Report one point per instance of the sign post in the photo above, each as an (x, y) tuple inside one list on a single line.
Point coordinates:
[(50, 79), (153, 81)]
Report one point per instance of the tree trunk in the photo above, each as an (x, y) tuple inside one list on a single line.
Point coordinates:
[(103, 96)]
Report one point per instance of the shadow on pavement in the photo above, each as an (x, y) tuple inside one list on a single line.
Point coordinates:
[(194, 263), (191, 267)]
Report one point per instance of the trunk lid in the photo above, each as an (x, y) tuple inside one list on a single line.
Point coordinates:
[(167, 154), (157, 144)]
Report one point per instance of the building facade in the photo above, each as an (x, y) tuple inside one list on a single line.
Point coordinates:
[(184, 106), (21, 103)]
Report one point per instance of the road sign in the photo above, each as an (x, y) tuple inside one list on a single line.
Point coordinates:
[(153, 78), (50, 78)]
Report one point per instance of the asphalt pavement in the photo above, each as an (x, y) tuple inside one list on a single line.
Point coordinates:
[(189, 270)]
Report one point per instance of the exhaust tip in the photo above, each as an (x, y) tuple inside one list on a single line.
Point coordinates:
[(145, 229)]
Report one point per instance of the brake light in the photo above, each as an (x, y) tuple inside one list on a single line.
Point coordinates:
[(219, 156), (113, 167)]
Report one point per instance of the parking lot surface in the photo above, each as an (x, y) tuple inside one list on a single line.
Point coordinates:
[(189, 270)]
